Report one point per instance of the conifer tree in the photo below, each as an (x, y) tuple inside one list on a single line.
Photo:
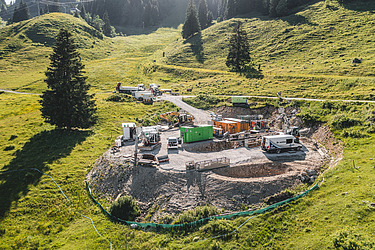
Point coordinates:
[(66, 103), (191, 25), (21, 13), (55, 7), (238, 58), (230, 10), (282, 8), (107, 29), (83, 11), (203, 14)]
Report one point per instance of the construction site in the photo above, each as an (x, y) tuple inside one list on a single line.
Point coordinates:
[(230, 159)]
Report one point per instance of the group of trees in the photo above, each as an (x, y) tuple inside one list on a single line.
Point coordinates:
[(21, 12), (196, 20), (139, 13)]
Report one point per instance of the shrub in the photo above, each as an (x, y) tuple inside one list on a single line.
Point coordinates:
[(120, 98), (196, 214), (125, 208), (219, 227), (352, 134), (343, 121), (348, 239)]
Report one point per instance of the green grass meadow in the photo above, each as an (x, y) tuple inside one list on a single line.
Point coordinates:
[(307, 54)]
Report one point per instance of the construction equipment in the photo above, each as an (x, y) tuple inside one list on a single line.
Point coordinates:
[(129, 89), (287, 129), (150, 135), (148, 160), (175, 118), (155, 89)]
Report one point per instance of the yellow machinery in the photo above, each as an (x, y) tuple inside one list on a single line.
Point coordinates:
[(175, 118)]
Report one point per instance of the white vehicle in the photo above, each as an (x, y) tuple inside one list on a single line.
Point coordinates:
[(143, 95), (172, 143), (127, 89), (280, 143)]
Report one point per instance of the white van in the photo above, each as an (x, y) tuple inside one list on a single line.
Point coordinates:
[(280, 143)]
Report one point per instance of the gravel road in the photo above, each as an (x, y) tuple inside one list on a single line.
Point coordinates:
[(201, 117)]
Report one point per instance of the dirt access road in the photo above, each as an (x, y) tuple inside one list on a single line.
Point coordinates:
[(201, 117)]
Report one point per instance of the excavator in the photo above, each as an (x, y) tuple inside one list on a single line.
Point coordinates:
[(175, 118)]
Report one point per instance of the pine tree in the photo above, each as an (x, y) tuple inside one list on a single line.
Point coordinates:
[(67, 103), (282, 8), (107, 29), (55, 7), (230, 10), (203, 14), (238, 58), (83, 11), (191, 25), (21, 13)]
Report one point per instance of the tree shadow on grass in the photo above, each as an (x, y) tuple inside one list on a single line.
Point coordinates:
[(42, 149), (196, 46), (296, 19), (251, 72)]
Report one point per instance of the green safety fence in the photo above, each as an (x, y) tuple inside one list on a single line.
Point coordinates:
[(203, 221)]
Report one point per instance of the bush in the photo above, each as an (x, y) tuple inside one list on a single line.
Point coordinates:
[(125, 208), (196, 214), (120, 98), (343, 121), (353, 134), (348, 239), (219, 227)]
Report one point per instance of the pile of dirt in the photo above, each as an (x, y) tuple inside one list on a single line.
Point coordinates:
[(254, 170), (233, 112)]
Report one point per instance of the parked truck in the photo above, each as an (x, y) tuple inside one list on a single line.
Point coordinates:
[(280, 143)]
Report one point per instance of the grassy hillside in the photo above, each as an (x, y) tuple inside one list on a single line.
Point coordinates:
[(307, 54), (34, 214)]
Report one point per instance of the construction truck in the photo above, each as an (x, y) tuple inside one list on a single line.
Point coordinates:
[(144, 96), (129, 89)]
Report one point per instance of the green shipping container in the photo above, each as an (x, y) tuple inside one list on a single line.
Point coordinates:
[(239, 99), (200, 133)]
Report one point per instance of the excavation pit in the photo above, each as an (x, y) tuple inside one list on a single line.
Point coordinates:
[(254, 170)]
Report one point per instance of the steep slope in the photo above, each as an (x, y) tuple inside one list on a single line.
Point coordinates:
[(318, 40), (306, 54), (25, 47)]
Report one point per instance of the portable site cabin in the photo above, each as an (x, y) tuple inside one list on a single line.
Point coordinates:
[(239, 100), (198, 133), (128, 131), (227, 126), (279, 143), (244, 125), (143, 95), (255, 121)]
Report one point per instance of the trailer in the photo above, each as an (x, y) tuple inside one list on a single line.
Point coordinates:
[(239, 100), (196, 133), (145, 96), (280, 143)]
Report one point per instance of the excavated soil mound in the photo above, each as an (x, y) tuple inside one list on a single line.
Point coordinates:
[(253, 171)]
